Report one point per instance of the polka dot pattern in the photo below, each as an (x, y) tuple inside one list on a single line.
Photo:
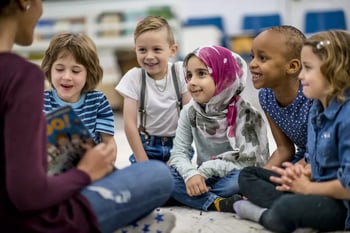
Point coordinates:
[(291, 119)]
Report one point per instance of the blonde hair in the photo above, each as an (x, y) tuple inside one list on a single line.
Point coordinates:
[(154, 23), (84, 51), (333, 48)]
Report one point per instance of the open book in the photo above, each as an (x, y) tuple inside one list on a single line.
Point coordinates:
[(65, 133)]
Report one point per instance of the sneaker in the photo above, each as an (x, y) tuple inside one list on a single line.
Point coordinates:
[(159, 221), (225, 204)]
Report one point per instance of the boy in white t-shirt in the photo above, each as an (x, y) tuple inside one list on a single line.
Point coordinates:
[(151, 115)]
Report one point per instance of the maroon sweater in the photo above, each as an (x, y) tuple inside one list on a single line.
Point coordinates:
[(31, 201)]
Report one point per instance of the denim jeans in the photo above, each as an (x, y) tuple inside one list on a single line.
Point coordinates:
[(219, 187), (129, 194), (155, 147)]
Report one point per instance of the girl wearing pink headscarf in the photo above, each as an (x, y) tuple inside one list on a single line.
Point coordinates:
[(228, 133)]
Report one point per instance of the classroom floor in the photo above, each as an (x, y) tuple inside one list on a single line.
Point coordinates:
[(191, 220)]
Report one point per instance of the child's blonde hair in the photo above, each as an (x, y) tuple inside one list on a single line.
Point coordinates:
[(84, 51), (333, 48), (154, 23)]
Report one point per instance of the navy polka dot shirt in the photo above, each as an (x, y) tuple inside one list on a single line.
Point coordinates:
[(292, 119)]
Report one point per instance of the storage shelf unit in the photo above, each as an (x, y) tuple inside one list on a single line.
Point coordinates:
[(109, 23)]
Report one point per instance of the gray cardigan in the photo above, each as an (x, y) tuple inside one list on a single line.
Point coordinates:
[(218, 159)]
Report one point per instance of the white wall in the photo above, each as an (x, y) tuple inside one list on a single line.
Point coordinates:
[(232, 11)]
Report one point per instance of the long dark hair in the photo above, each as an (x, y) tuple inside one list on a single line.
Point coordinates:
[(4, 3), (7, 7)]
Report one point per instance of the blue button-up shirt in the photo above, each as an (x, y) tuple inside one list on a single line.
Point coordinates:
[(329, 144)]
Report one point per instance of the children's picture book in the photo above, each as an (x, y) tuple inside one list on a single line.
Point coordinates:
[(65, 133)]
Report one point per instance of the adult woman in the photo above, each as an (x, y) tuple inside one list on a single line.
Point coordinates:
[(31, 201)]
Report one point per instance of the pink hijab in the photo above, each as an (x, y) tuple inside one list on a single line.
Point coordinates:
[(227, 116), (229, 72)]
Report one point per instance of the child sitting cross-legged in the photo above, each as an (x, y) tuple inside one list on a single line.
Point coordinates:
[(228, 133)]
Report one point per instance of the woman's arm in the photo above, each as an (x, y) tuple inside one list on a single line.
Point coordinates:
[(24, 145)]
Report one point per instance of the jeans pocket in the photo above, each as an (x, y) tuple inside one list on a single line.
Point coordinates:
[(157, 152)]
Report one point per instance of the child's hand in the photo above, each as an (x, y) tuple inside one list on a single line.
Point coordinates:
[(196, 186), (307, 170), (98, 161), (299, 185), (287, 174), (289, 170), (293, 177)]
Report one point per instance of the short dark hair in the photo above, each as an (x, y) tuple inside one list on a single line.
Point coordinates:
[(294, 39)]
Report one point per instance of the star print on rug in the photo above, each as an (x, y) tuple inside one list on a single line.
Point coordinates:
[(156, 222)]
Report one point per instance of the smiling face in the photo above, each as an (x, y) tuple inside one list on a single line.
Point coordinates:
[(153, 52), (200, 84), (68, 77), (269, 59), (315, 85)]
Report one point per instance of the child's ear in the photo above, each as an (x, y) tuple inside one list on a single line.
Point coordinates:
[(294, 66), (173, 49)]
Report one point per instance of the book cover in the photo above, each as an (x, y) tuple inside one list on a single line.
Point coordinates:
[(66, 133)]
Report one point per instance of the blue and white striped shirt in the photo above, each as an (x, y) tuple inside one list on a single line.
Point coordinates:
[(93, 108)]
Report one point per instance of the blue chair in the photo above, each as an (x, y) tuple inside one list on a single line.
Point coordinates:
[(316, 21), (253, 24), (215, 21)]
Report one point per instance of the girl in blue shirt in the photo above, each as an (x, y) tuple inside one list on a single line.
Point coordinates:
[(314, 194)]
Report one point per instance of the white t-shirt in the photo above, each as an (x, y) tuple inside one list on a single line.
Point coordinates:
[(161, 109)]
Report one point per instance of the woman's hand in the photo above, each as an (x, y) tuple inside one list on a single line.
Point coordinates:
[(98, 161), (196, 186), (109, 139)]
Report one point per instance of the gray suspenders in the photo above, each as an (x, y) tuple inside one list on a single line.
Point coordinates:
[(142, 110)]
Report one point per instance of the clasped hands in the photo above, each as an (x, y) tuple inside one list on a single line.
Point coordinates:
[(293, 177)]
